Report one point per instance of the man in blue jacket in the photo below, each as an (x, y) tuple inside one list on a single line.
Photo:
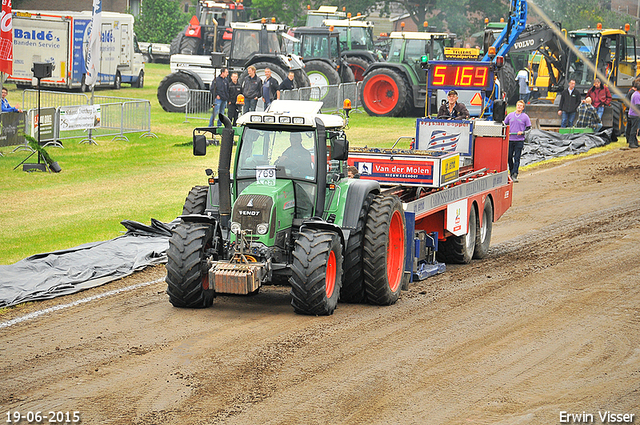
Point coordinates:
[(220, 91), (5, 103)]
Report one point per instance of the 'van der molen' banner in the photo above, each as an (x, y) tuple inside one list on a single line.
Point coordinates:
[(6, 39)]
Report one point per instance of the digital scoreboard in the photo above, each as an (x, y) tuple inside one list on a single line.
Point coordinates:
[(460, 75)]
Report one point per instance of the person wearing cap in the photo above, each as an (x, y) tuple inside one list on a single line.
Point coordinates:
[(453, 110)]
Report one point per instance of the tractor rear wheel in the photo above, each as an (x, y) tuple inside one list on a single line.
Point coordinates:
[(189, 46), (384, 250), (353, 280), (459, 249), (187, 270), (347, 74), (316, 276), (321, 75), (196, 201), (483, 233), (174, 47), (358, 66), (384, 93), (509, 86)]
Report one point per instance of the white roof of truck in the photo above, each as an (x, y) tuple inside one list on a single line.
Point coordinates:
[(412, 35)]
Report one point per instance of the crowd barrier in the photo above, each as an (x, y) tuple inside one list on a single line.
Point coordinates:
[(199, 102), (118, 115)]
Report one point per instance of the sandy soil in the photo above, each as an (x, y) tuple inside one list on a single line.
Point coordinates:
[(548, 323)]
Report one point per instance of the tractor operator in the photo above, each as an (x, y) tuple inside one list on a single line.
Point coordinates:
[(453, 110), (296, 158)]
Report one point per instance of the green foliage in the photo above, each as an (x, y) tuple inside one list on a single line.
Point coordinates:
[(33, 144), (579, 14), (160, 21)]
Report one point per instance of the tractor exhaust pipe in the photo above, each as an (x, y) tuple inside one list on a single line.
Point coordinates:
[(224, 177)]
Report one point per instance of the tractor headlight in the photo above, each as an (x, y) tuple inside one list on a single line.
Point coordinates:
[(298, 120), (262, 228), (269, 118), (235, 227)]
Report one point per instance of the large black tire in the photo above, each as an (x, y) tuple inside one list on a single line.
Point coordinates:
[(174, 47), (619, 118), (173, 91), (301, 79), (507, 76), (353, 277), (483, 231), (196, 201), (316, 272), (117, 82), (459, 249), (321, 75), (190, 46), (358, 66), (385, 93), (347, 75), (384, 250), (277, 71), (187, 274)]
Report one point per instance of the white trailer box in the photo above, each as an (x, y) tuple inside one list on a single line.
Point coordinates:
[(62, 38)]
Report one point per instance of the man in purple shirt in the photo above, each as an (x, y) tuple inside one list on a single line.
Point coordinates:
[(634, 118), (518, 122)]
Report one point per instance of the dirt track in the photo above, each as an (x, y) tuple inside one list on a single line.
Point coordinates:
[(549, 322)]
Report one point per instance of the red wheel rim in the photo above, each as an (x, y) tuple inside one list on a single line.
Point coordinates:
[(395, 251), (358, 71), (330, 277), (381, 94)]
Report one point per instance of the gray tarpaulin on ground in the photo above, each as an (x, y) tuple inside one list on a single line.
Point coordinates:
[(541, 145), (64, 272), (52, 274)]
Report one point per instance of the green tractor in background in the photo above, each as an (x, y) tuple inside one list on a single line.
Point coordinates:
[(397, 88), (288, 213)]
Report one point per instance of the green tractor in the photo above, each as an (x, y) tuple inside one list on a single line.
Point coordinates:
[(288, 214), (397, 88)]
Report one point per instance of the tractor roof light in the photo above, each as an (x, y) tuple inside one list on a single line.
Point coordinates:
[(502, 20), (256, 118), (298, 120), (492, 51), (499, 61), (263, 20), (240, 99), (273, 20), (346, 105), (284, 120), (599, 26), (269, 118), (425, 24), (331, 28), (308, 7), (349, 15), (627, 27), (486, 21)]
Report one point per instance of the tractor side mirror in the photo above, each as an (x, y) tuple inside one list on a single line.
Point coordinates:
[(340, 149), (199, 145)]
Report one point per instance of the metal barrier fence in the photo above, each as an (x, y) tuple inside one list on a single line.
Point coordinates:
[(118, 115), (199, 102)]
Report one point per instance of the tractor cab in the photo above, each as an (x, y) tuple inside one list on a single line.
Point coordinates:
[(411, 48), (251, 39)]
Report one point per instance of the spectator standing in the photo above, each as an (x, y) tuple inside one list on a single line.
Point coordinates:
[(235, 89), (588, 116), (600, 96), (269, 88), (518, 122), (220, 91), (287, 84), (453, 110), (523, 84), (634, 117), (5, 103), (252, 89), (569, 102)]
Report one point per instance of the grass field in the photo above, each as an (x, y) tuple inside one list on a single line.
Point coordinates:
[(101, 185)]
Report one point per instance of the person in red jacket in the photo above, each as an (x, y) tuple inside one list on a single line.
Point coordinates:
[(600, 96)]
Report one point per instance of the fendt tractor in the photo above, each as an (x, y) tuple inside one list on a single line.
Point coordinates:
[(286, 210)]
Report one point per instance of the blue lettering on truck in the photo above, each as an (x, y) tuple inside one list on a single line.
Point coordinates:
[(81, 31)]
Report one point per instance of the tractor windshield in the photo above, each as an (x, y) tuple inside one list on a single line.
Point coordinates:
[(292, 153), (587, 44), (315, 46), (247, 42), (361, 38)]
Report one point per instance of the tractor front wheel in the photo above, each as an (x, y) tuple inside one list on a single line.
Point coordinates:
[(384, 250), (353, 281), (187, 270), (316, 276), (384, 93), (358, 67), (196, 201)]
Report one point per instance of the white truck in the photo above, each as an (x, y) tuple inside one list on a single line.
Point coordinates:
[(62, 38)]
